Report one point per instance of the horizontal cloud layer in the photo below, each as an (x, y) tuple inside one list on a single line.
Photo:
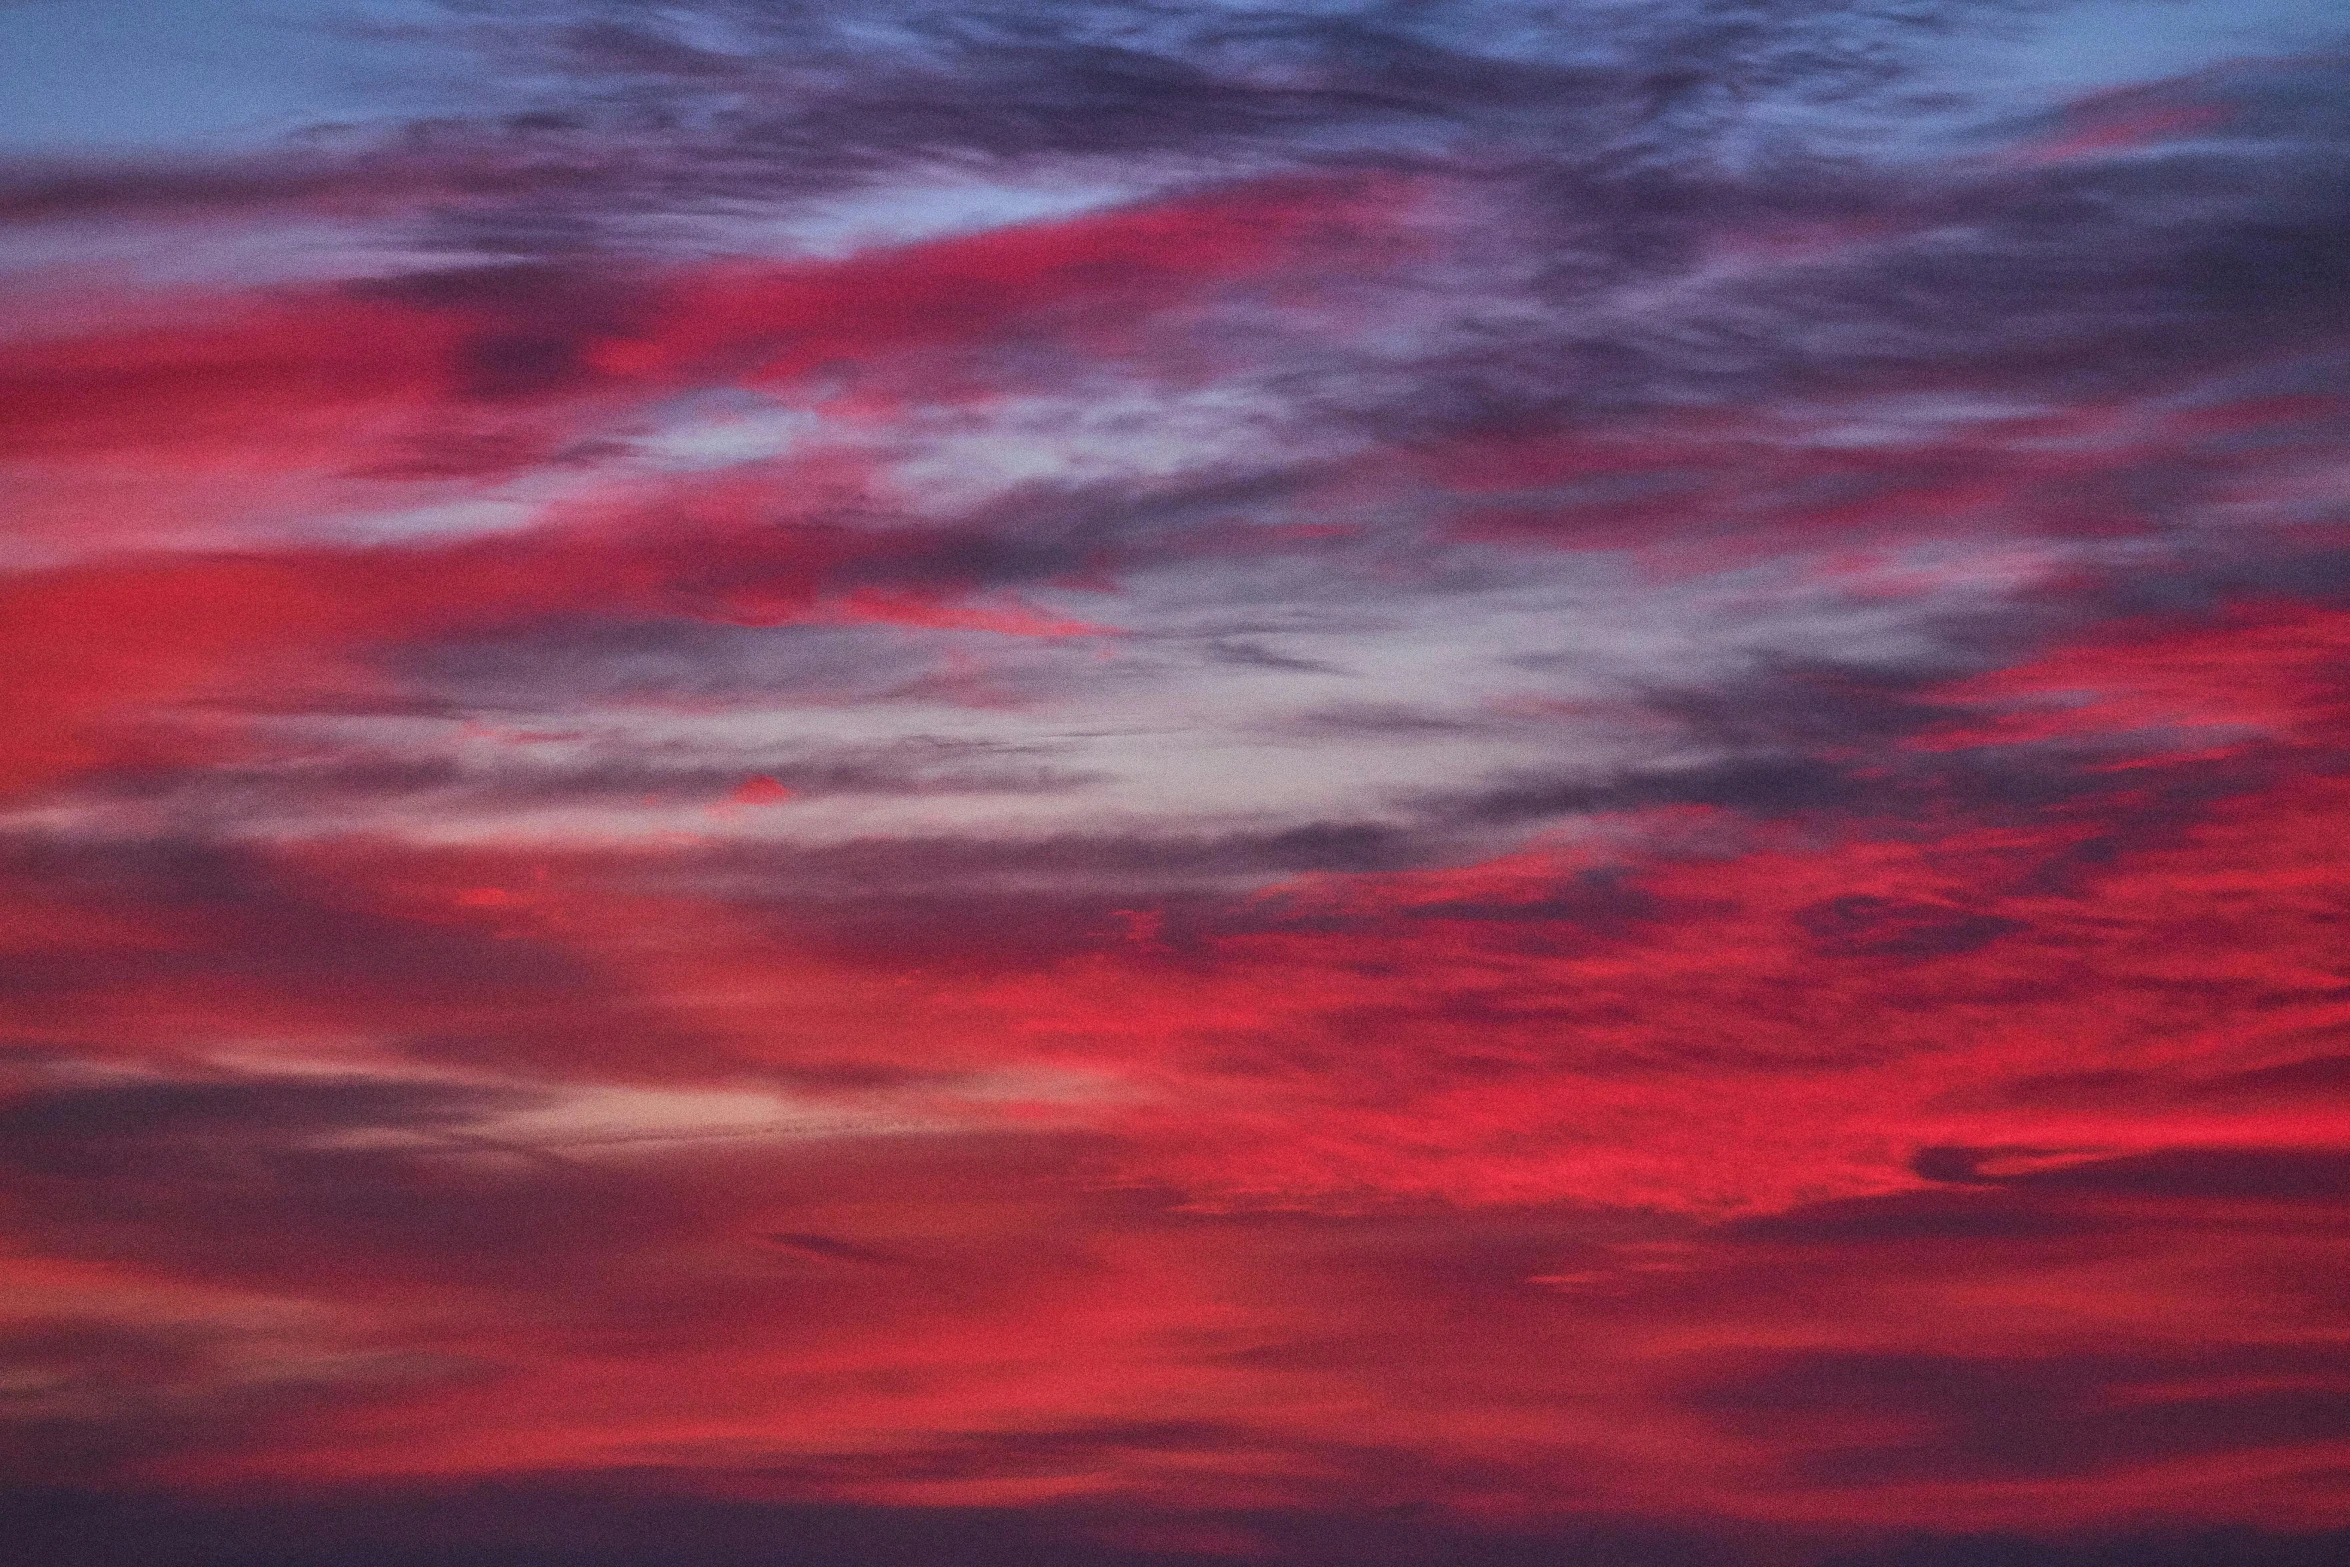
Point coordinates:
[(1096, 782)]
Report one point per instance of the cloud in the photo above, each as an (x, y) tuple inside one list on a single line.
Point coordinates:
[(2050, 1417), (1102, 782), (2223, 1174)]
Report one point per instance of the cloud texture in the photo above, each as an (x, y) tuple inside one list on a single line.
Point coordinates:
[(1122, 783)]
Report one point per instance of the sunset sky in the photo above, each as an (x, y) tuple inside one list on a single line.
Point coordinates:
[(1174, 783)]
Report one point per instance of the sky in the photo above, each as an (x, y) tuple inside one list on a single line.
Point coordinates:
[(1174, 783)]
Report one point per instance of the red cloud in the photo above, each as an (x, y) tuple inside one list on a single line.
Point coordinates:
[(1091, 280), (100, 650), (759, 791), (1956, 1143)]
